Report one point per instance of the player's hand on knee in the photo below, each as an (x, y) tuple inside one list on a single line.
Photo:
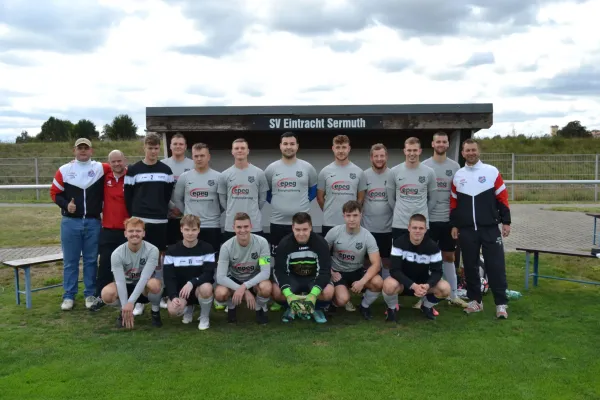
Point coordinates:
[(250, 300), (185, 291), (238, 295), (335, 276), (358, 286)]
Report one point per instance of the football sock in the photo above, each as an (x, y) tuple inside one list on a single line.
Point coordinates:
[(261, 303), (430, 300), (205, 306), (450, 277), (155, 300), (391, 300), (368, 298), (230, 304)]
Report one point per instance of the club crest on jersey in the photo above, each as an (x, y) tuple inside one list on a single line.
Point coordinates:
[(91, 173), (448, 172), (142, 261), (211, 182), (299, 174), (422, 179), (481, 179), (251, 179), (352, 175), (254, 256), (358, 246)]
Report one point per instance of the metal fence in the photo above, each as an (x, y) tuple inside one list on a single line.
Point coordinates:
[(41, 170)]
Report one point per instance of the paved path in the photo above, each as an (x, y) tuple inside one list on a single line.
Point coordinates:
[(532, 226)]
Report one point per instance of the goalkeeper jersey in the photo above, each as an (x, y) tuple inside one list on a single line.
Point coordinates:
[(310, 260)]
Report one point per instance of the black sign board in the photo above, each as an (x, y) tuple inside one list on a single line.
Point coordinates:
[(317, 122)]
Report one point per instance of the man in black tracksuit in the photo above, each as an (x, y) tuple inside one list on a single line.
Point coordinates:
[(478, 203)]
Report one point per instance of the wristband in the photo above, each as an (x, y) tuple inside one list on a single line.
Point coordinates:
[(315, 291), (287, 292)]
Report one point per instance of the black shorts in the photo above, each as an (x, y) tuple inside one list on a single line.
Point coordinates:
[(174, 231), (254, 288), (348, 278), (278, 232), (300, 285), (142, 299), (211, 236), (325, 229), (384, 242), (225, 236), (156, 234), (440, 232), (397, 232)]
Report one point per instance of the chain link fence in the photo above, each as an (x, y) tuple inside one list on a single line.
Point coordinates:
[(41, 170)]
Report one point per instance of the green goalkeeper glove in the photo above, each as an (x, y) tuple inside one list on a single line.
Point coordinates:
[(293, 301), (310, 303)]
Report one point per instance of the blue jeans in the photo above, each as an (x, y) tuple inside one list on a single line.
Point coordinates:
[(79, 236)]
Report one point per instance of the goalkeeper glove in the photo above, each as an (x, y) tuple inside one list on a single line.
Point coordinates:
[(293, 301), (310, 303)]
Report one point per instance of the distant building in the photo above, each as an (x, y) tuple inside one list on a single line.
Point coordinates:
[(553, 130), (595, 133)]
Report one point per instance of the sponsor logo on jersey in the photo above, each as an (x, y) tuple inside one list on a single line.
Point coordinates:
[(409, 190), (299, 174), (109, 183), (285, 183), (240, 190), (134, 273), (198, 193), (211, 182), (341, 186), (91, 173), (245, 268), (346, 255), (378, 193), (251, 179), (481, 179), (442, 183), (422, 179)]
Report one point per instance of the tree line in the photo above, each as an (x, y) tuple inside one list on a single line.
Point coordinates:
[(54, 129)]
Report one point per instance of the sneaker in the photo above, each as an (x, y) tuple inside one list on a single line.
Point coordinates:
[(156, 321), (261, 317), (98, 305), (473, 307), (275, 306), (501, 311), (365, 312), (204, 323), (119, 321), (390, 315), (163, 303), (138, 309), (457, 301), (428, 311), (67, 305), (232, 315), (219, 306), (350, 307), (397, 308), (287, 315), (90, 301), (188, 314), (319, 317)]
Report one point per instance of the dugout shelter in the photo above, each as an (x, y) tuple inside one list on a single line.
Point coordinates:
[(316, 126)]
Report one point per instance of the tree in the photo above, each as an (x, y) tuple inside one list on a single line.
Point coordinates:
[(121, 128), (85, 128), (573, 129), (56, 130), (24, 138)]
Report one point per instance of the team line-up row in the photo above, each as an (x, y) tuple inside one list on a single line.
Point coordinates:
[(471, 201)]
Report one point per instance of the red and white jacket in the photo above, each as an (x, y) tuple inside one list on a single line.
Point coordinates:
[(83, 182), (478, 197)]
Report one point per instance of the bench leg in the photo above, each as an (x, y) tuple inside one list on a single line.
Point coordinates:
[(27, 287), (536, 264), (17, 288), (594, 238), (527, 270)]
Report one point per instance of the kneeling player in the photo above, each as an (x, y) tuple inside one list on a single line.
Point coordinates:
[(302, 266), (244, 267), (189, 268), (416, 270), (133, 265), (350, 243)]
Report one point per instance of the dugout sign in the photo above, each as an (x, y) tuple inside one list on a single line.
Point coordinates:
[(318, 122)]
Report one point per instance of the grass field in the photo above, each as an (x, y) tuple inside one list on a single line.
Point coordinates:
[(29, 226), (547, 349)]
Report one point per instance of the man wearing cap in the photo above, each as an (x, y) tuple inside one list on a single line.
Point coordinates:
[(77, 189)]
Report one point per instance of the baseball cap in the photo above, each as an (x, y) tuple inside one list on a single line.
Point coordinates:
[(83, 141)]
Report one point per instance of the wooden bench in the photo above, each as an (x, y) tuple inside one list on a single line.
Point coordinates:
[(536, 257), (25, 264)]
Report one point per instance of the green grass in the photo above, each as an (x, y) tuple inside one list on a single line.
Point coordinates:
[(546, 349), (540, 145), (576, 209), (29, 226)]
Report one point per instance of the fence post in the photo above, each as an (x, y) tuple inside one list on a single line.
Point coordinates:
[(596, 178), (512, 170), (37, 179)]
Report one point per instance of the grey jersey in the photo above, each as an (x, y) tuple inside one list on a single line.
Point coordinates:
[(289, 185), (444, 173), (340, 184), (196, 193), (349, 250), (249, 265), (377, 213), (178, 168), (243, 188), (130, 267), (409, 189)]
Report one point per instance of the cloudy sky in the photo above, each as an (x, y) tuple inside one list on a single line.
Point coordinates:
[(537, 61)]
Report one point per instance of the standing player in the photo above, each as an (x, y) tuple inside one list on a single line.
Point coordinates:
[(244, 267), (338, 183), (189, 269), (416, 270), (303, 266), (179, 164), (350, 243), (242, 188), (478, 204), (133, 264), (411, 190), (148, 189), (439, 215), (292, 185)]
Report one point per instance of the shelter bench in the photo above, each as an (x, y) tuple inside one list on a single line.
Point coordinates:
[(25, 264), (536, 257)]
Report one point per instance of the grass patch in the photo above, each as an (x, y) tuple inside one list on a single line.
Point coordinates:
[(29, 226), (575, 209), (550, 339)]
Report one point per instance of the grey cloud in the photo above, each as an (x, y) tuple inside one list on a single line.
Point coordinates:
[(251, 89), (58, 25), (584, 81), (448, 75), (480, 58), (519, 116), (10, 58), (343, 45), (205, 91), (394, 64), (5, 93), (320, 88)]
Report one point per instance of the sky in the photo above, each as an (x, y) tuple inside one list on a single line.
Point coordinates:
[(538, 62)]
